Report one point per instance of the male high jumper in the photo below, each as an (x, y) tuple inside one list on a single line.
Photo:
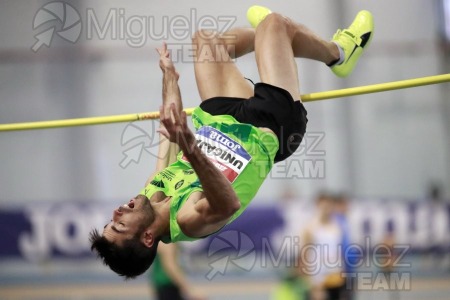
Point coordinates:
[(241, 131)]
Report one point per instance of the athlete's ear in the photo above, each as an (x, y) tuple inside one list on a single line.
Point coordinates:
[(147, 238)]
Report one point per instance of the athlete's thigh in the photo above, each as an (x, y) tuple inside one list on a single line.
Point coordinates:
[(221, 79), (215, 72), (275, 59)]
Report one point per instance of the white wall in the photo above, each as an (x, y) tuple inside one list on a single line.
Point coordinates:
[(391, 143)]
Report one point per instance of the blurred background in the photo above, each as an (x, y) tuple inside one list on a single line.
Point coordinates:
[(388, 152)]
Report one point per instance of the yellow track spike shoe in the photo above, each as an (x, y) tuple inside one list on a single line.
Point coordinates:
[(353, 41), (256, 14)]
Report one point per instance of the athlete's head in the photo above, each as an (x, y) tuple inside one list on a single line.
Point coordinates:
[(127, 244)]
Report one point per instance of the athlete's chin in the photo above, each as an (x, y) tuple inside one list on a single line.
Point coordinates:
[(141, 201)]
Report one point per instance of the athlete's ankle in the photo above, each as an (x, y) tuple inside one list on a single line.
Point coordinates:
[(337, 53)]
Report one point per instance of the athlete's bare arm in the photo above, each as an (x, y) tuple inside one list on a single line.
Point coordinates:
[(218, 202), (167, 151)]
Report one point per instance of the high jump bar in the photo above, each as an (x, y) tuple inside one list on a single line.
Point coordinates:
[(367, 89)]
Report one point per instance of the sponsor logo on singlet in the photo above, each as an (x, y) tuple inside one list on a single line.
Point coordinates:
[(166, 174), (158, 183), (225, 153), (179, 184)]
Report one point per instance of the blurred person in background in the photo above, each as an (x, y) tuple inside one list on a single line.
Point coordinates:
[(386, 254), (167, 277), (435, 205), (387, 257), (293, 284), (292, 287), (350, 260), (321, 253)]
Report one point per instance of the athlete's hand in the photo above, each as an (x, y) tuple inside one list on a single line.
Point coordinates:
[(165, 62), (175, 127)]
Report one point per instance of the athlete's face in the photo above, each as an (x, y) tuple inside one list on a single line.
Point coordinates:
[(129, 219)]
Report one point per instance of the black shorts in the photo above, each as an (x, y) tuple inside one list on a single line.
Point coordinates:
[(270, 107)]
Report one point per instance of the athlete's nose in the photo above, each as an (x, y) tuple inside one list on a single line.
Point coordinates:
[(117, 213)]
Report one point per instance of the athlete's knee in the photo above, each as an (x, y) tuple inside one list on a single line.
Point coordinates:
[(276, 23), (204, 36), (209, 46)]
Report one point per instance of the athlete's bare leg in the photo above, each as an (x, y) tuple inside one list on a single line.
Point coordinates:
[(278, 40), (215, 72)]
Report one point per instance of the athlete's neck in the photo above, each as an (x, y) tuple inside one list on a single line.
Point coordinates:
[(161, 225)]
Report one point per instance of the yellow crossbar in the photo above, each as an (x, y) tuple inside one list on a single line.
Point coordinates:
[(375, 88)]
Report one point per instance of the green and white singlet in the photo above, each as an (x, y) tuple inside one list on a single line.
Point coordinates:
[(242, 152)]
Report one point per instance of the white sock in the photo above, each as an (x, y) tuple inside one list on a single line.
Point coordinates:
[(341, 54)]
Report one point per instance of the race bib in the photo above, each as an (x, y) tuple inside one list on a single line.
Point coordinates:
[(225, 153)]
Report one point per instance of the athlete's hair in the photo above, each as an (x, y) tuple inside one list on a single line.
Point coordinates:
[(129, 260)]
